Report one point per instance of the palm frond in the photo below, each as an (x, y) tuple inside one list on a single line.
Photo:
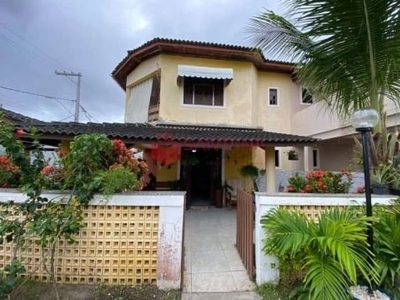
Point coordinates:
[(342, 235), (348, 52), (278, 37), (288, 232), (325, 279)]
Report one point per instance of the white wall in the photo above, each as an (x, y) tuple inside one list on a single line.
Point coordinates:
[(170, 225), (267, 266)]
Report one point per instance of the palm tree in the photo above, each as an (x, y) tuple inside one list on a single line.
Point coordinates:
[(347, 53)]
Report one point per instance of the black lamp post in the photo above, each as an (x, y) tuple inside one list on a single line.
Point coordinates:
[(363, 121)]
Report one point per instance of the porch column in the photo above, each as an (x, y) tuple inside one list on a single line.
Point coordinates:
[(270, 169), (308, 159)]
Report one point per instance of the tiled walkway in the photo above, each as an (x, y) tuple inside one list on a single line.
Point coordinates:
[(212, 263)]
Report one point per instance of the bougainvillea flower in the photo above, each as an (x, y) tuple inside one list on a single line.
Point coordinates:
[(20, 132), (47, 170)]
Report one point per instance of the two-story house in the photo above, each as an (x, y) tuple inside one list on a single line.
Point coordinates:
[(213, 90)]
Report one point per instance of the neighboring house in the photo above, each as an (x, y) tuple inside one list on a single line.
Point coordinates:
[(335, 149), (207, 87)]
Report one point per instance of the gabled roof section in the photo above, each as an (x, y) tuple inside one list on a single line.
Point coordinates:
[(195, 49)]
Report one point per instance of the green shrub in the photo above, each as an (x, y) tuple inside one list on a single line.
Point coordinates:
[(333, 250)]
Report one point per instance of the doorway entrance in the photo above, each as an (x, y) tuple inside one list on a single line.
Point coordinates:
[(201, 175)]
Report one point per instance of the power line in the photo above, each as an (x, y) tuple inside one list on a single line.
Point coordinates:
[(64, 106), (51, 60), (33, 51), (88, 115), (35, 94), (66, 118), (36, 53)]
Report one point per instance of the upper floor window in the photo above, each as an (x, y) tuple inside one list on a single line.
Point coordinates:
[(306, 97), (273, 97), (203, 91)]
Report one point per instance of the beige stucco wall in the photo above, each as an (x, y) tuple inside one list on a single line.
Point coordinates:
[(167, 173), (284, 162), (143, 71), (337, 154), (237, 94), (321, 122), (276, 118), (245, 97)]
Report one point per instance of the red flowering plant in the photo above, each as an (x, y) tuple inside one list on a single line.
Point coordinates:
[(95, 164), (321, 182), (20, 168), (9, 173)]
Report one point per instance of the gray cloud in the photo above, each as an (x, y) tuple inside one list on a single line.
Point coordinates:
[(91, 37)]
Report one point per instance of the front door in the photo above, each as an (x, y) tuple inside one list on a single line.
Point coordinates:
[(201, 175)]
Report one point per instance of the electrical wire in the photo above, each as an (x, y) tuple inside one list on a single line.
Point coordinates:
[(66, 118), (51, 60), (35, 94), (64, 107), (88, 115), (36, 53)]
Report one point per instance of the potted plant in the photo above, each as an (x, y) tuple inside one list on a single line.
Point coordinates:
[(228, 189), (381, 177), (293, 155)]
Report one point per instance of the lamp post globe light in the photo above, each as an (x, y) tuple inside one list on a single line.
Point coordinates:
[(364, 120)]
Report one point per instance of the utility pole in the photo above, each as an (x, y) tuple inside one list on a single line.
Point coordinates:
[(78, 91)]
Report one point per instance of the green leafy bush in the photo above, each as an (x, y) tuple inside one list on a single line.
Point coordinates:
[(93, 164), (116, 180), (387, 246), (333, 250)]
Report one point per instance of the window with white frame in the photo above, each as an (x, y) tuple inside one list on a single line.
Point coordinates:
[(203, 91), (306, 97), (273, 97), (315, 157), (277, 159)]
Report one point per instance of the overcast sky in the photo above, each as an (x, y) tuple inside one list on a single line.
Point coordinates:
[(38, 37)]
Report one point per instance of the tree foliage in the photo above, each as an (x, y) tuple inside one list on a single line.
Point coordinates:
[(347, 53)]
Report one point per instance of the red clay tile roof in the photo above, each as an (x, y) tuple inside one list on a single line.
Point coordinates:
[(195, 49)]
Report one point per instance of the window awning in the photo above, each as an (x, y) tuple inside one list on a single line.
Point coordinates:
[(205, 72)]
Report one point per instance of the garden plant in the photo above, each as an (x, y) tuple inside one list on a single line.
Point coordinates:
[(321, 182), (323, 258), (93, 164)]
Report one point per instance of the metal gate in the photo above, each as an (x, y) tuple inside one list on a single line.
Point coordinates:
[(245, 230)]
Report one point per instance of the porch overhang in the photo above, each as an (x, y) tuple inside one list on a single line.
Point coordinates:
[(153, 134)]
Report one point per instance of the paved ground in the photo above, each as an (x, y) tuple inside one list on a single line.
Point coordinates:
[(213, 268), (221, 296)]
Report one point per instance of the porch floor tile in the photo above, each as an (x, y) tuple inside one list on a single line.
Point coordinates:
[(212, 263)]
